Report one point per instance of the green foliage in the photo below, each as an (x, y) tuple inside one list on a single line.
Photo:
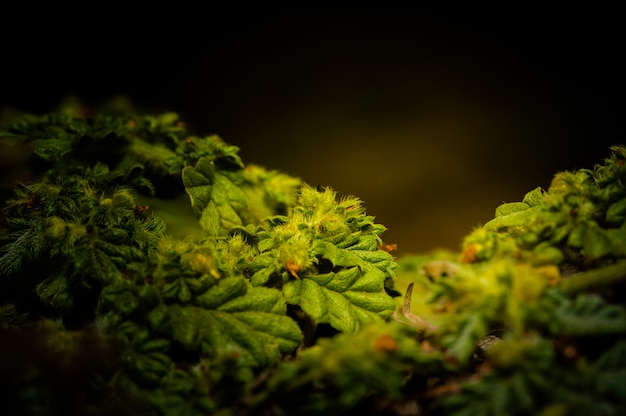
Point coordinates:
[(325, 257), (146, 270), (348, 373), (578, 221), (214, 198), (192, 322)]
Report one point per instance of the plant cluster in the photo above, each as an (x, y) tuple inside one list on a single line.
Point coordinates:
[(147, 270)]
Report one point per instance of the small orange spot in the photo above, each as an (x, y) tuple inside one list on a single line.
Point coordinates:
[(566, 345), (469, 254), (386, 343), (388, 247), (293, 268), (570, 352), (180, 124), (427, 347), (188, 141)]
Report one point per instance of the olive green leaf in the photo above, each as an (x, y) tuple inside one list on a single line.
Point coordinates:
[(326, 259), (233, 318), (534, 197), (215, 199), (589, 315), (514, 214), (347, 300), (616, 213), (52, 149)]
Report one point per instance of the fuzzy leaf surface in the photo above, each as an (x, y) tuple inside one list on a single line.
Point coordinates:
[(245, 322), (346, 300), (215, 199)]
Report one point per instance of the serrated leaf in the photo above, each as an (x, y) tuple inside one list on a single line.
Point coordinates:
[(510, 208), (215, 199), (379, 258), (345, 310), (263, 268), (250, 324), (51, 149), (512, 219), (534, 197), (258, 298), (338, 257), (198, 188), (155, 156), (226, 290), (372, 302), (340, 281)]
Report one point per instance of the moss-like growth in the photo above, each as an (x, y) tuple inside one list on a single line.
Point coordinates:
[(152, 271)]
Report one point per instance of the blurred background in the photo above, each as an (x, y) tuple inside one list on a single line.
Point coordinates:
[(432, 118)]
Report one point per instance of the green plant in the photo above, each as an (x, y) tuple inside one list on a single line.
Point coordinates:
[(145, 270)]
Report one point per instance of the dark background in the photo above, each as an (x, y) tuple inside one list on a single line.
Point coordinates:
[(432, 118)]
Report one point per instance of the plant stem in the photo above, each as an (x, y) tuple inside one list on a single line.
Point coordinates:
[(603, 276)]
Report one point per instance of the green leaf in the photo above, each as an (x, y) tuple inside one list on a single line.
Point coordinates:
[(510, 208), (464, 343), (596, 241), (617, 212), (198, 187), (216, 201), (512, 218), (237, 320), (52, 149), (535, 197), (330, 298), (341, 257), (227, 289), (155, 157), (589, 315), (263, 267), (258, 298), (54, 291)]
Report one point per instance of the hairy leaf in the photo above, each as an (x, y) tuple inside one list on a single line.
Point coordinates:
[(249, 322), (342, 299), (215, 199)]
